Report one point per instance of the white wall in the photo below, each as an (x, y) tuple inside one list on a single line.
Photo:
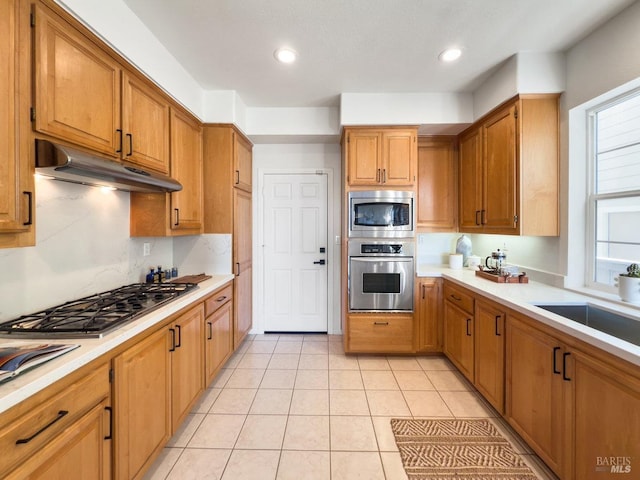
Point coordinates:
[(274, 157)]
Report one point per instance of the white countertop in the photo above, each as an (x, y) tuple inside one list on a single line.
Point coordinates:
[(28, 383), (523, 296)]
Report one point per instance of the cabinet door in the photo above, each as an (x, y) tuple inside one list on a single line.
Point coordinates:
[(186, 167), (470, 181), (82, 451), (142, 410), (399, 149), (429, 308), (606, 414), (534, 396), (458, 338), (242, 253), (77, 86), (187, 365), (145, 125), (489, 353), (219, 344), (242, 162), (364, 152), (500, 193), (16, 196), (437, 189)]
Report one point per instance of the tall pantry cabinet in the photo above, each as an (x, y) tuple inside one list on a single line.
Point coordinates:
[(227, 200)]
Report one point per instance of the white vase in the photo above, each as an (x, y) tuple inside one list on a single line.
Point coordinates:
[(629, 289)]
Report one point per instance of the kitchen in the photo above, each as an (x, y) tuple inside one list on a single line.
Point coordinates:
[(59, 267)]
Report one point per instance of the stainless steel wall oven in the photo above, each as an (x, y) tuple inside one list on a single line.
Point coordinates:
[(381, 275)]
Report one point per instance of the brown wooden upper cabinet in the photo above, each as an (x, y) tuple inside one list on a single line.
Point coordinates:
[(437, 190), (84, 96), (17, 202), (508, 169), (381, 157)]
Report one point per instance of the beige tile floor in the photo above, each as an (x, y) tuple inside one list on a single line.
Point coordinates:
[(296, 407)]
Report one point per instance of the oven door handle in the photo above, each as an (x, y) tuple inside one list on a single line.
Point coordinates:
[(382, 259)]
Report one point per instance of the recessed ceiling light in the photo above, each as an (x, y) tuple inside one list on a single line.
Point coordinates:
[(285, 55), (450, 55)]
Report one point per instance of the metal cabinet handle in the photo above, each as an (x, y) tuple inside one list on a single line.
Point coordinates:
[(477, 213), (29, 208), (381, 323), (483, 216), (457, 299), (378, 176), (564, 366), (423, 291), (555, 368), (110, 436), (177, 210), (498, 334), (220, 299), (130, 137), (210, 328), (61, 414), (384, 175), (179, 329), (237, 269), (237, 177), (119, 132), (468, 323), (173, 340)]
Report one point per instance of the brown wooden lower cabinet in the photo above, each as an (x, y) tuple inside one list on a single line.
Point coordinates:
[(458, 338), (378, 333), (142, 404), (489, 352), (218, 331), (65, 434), (428, 312)]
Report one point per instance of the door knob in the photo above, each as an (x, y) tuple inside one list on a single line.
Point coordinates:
[(319, 262)]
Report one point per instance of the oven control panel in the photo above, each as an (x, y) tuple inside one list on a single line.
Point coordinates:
[(381, 248)]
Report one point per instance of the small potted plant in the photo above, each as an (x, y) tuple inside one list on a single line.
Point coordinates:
[(629, 284)]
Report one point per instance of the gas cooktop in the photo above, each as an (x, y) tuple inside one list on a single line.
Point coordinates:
[(97, 314)]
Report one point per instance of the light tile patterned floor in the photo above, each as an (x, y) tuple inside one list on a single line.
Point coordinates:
[(296, 407)]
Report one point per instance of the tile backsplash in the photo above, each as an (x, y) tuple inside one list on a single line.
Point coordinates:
[(83, 247)]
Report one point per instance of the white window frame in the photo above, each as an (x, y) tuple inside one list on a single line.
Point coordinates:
[(592, 197)]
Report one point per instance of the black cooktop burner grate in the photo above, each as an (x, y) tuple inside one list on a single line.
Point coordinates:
[(99, 313)]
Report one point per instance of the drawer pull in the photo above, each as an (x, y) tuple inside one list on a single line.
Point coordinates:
[(61, 414), (457, 299), (381, 323), (220, 299)]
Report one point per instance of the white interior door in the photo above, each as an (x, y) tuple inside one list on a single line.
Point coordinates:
[(295, 245)]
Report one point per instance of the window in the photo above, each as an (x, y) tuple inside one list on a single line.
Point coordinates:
[(614, 193)]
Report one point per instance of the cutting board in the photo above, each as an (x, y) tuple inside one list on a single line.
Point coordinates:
[(200, 277)]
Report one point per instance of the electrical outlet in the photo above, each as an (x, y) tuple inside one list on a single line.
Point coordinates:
[(146, 249)]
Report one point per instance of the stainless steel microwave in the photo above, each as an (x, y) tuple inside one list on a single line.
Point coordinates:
[(381, 213)]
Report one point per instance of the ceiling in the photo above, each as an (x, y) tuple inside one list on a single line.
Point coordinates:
[(359, 46)]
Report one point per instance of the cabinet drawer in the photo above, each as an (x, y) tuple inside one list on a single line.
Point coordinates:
[(459, 297), (31, 432), (217, 299), (381, 334)]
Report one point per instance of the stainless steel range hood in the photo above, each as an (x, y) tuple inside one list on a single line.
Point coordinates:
[(71, 165)]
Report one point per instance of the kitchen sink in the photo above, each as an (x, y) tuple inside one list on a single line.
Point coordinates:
[(612, 323)]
